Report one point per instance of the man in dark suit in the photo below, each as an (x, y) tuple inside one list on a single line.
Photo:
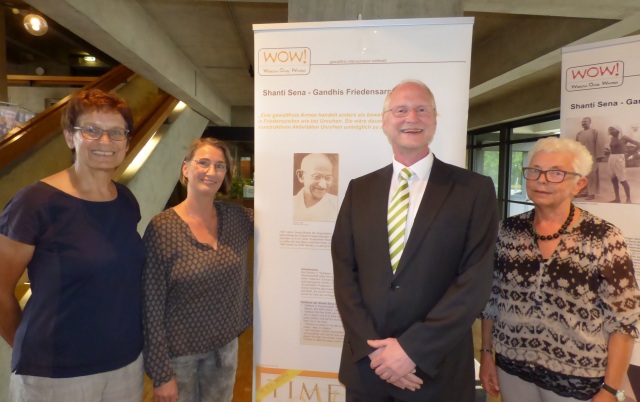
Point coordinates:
[(408, 324)]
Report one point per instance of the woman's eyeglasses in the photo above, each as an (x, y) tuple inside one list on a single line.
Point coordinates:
[(205, 164), (92, 132), (552, 176)]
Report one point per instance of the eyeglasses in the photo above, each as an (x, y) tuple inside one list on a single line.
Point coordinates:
[(205, 164), (403, 111), (552, 176), (319, 177), (92, 132)]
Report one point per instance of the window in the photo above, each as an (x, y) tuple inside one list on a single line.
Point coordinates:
[(486, 155), (500, 153)]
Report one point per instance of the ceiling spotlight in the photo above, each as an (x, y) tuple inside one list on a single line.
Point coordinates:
[(35, 25)]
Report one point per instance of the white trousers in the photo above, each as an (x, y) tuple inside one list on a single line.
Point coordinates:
[(122, 385), (515, 389)]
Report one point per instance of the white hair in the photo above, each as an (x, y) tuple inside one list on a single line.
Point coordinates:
[(582, 159)]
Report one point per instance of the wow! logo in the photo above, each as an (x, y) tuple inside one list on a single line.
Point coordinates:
[(595, 76), (284, 61)]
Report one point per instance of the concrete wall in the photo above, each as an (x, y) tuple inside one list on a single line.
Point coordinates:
[(156, 179), (338, 10), (50, 158), (35, 98)]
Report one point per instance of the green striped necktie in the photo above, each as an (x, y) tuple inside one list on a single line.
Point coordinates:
[(397, 218)]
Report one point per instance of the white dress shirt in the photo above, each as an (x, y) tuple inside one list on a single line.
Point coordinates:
[(417, 184)]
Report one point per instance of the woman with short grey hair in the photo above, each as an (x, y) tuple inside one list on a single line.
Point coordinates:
[(563, 311)]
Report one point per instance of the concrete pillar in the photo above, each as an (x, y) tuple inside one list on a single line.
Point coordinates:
[(342, 10), (157, 178), (4, 96)]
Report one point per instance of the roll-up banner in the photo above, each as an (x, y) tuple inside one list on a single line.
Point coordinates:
[(600, 107), (319, 90)]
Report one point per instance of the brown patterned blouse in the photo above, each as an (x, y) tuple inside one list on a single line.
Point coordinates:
[(195, 298)]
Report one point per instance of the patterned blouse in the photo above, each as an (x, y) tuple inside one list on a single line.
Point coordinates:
[(195, 298), (552, 319)]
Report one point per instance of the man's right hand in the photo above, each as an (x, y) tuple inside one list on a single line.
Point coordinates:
[(167, 392), (410, 381)]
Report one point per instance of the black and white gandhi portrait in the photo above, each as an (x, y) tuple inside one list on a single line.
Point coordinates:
[(315, 187), (614, 143)]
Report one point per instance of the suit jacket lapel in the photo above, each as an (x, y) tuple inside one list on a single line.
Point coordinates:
[(437, 191)]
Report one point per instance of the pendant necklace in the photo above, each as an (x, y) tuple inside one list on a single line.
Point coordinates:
[(560, 231)]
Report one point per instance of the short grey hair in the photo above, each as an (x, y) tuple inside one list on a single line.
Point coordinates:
[(582, 159)]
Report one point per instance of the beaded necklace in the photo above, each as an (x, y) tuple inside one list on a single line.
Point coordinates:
[(560, 231)]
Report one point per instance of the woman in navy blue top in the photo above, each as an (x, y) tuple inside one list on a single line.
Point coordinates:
[(80, 335)]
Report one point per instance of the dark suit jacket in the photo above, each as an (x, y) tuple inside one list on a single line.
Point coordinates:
[(442, 282)]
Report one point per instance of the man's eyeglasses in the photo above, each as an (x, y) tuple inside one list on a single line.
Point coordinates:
[(552, 176), (92, 132), (205, 164), (403, 111), (319, 177)]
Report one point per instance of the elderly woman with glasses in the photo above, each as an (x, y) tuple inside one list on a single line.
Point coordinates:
[(195, 283), (563, 312), (80, 335)]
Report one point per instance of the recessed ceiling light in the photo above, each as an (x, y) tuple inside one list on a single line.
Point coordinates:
[(35, 24)]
